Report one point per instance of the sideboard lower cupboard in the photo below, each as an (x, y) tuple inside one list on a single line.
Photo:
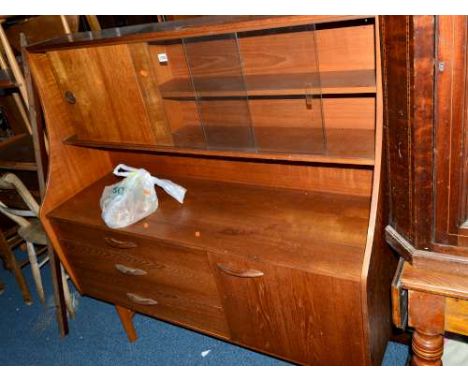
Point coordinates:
[(274, 125)]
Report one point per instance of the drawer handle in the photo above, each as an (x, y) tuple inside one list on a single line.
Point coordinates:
[(248, 273), (141, 300), (129, 271), (119, 243)]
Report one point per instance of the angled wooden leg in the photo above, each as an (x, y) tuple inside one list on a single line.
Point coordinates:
[(2, 287), (67, 295), (426, 315), (126, 316), (59, 298), (36, 272), (12, 265)]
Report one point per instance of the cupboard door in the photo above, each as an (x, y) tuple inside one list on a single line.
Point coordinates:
[(307, 318), (451, 134), (102, 94)]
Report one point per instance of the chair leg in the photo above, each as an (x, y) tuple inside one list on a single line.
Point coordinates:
[(12, 265), (36, 272), (66, 293), (2, 287)]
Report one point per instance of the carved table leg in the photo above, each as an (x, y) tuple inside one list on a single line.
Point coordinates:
[(427, 349), (126, 316), (426, 315)]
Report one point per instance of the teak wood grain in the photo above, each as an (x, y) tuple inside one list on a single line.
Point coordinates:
[(254, 308), (278, 245), (256, 222)]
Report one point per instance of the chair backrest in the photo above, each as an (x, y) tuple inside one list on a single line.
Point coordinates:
[(11, 181)]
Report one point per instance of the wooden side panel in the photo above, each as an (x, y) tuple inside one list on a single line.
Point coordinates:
[(395, 60), (379, 265), (71, 169), (101, 92), (321, 312), (408, 55)]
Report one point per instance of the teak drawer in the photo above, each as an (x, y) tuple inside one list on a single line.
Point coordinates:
[(186, 269), (154, 278)]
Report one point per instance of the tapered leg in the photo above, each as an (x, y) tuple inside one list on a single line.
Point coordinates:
[(59, 298), (36, 272), (12, 265), (67, 295), (427, 349), (2, 287), (126, 316)]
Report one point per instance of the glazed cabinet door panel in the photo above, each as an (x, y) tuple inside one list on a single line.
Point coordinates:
[(103, 95), (290, 313)]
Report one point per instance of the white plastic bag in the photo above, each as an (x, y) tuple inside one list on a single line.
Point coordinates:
[(134, 198)]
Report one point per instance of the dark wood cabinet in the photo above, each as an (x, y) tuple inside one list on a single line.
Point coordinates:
[(425, 121)]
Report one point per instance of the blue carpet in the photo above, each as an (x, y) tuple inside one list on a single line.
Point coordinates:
[(29, 336)]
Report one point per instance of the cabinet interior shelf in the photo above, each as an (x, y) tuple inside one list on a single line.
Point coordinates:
[(344, 146), (6, 81), (17, 153), (275, 223), (339, 82)]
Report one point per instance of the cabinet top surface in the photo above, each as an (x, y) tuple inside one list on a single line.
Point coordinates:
[(200, 26), (317, 232)]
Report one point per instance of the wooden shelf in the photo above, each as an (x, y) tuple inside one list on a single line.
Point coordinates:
[(343, 82), (17, 153), (6, 81), (320, 232), (344, 146)]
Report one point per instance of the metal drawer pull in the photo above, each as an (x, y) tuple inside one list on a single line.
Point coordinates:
[(141, 300), (119, 244), (249, 273), (129, 271)]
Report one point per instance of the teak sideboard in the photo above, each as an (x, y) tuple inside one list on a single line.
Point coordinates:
[(274, 125)]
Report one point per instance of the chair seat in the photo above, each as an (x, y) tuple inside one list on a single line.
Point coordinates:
[(34, 233)]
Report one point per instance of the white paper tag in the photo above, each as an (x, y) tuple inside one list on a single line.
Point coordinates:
[(162, 57)]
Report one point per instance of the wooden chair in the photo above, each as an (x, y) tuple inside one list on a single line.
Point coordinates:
[(31, 231)]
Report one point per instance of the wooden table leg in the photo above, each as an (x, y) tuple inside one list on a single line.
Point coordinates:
[(59, 298), (426, 314), (2, 287), (427, 349), (126, 316), (12, 265)]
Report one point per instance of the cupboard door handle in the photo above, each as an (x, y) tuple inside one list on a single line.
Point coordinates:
[(140, 299), (248, 273), (119, 243), (129, 271)]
